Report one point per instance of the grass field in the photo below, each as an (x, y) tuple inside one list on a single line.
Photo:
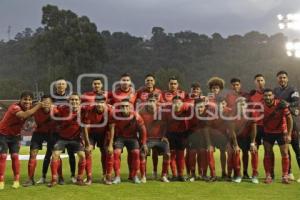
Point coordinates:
[(152, 189)]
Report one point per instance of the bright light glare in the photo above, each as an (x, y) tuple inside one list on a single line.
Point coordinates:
[(289, 46), (289, 53), (297, 54), (281, 25), (280, 17)]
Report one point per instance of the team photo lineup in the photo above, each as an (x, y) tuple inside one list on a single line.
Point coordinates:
[(184, 128)]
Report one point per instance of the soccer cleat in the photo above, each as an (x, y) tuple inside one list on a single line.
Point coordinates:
[(298, 181), (136, 180), (212, 179), (2, 185), (73, 179), (192, 179), (181, 179), (41, 181), (107, 182), (268, 180), (254, 180), (165, 179), (80, 182), (285, 180), (117, 180), (291, 177), (143, 179), (154, 175), (174, 178), (237, 179), (16, 184), (246, 176), (88, 181), (28, 183), (52, 184), (61, 180)]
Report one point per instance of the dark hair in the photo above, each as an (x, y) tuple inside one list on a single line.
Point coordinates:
[(199, 100), (60, 78), (125, 75), (26, 94), (97, 79), (100, 98), (195, 85), (46, 96), (150, 75), (281, 72), (268, 90), (74, 94), (258, 75), (173, 78), (234, 80)]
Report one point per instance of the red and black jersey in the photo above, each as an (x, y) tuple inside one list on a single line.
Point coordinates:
[(275, 121), (168, 95), (118, 95), (191, 98), (243, 126), (220, 123), (233, 96), (11, 125), (143, 93), (68, 128), (92, 117), (89, 97), (129, 127), (257, 96), (196, 123), (178, 124), (155, 127), (44, 121)]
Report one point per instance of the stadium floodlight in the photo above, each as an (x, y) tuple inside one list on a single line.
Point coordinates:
[(289, 21), (289, 53), (280, 17), (289, 46), (293, 48), (297, 54)]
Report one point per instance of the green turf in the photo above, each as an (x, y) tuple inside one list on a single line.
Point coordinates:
[(152, 189)]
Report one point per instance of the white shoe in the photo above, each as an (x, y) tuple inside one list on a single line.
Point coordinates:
[(192, 179), (117, 180), (73, 179), (165, 179), (237, 180), (143, 179), (254, 180), (41, 181), (136, 180), (291, 177), (298, 181)]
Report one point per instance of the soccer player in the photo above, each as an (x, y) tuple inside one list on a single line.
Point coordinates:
[(156, 138), (173, 90), (43, 133), (89, 97), (10, 134), (245, 129), (142, 96), (290, 95), (177, 132), (216, 86), (278, 126), (96, 118), (69, 134), (256, 100), (197, 149), (236, 92), (128, 124)]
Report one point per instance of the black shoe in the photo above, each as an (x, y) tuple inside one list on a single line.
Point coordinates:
[(61, 181), (29, 182), (246, 176), (181, 179), (52, 184), (173, 178), (212, 179)]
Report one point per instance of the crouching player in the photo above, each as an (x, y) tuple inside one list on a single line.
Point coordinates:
[(10, 134), (155, 136), (43, 133), (127, 125), (278, 126), (70, 137), (95, 119)]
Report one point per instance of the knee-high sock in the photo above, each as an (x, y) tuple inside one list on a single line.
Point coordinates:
[(117, 161), (143, 166), (230, 161), (211, 163), (223, 161), (187, 163), (285, 161), (173, 163), (192, 161), (54, 168), (135, 162), (237, 164), (268, 164), (129, 161), (180, 161), (3, 157), (31, 166), (165, 165), (89, 164), (109, 165), (81, 168), (59, 169), (254, 163), (202, 162), (46, 162), (16, 166)]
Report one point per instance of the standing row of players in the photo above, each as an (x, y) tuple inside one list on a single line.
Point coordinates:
[(173, 124)]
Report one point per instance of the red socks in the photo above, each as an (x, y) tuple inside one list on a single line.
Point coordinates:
[(88, 166), (254, 163), (2, 166), (143, 167), (173, 163), (211, 163), (135, 162), (16, 166), (267, 165), (31, 166), (81, 168), (180, 162), (54, 167), (165, 167), (285, 161), (109, 165), (117, 161)]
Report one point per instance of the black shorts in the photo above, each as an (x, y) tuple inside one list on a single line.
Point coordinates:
[(129, 143), (196, 141), (177, 141), (71, 145), (259, 134), (11, 143), (38, 139), (244, 143), (219, 140), (161, 146), (271, 138), (97, 139)]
